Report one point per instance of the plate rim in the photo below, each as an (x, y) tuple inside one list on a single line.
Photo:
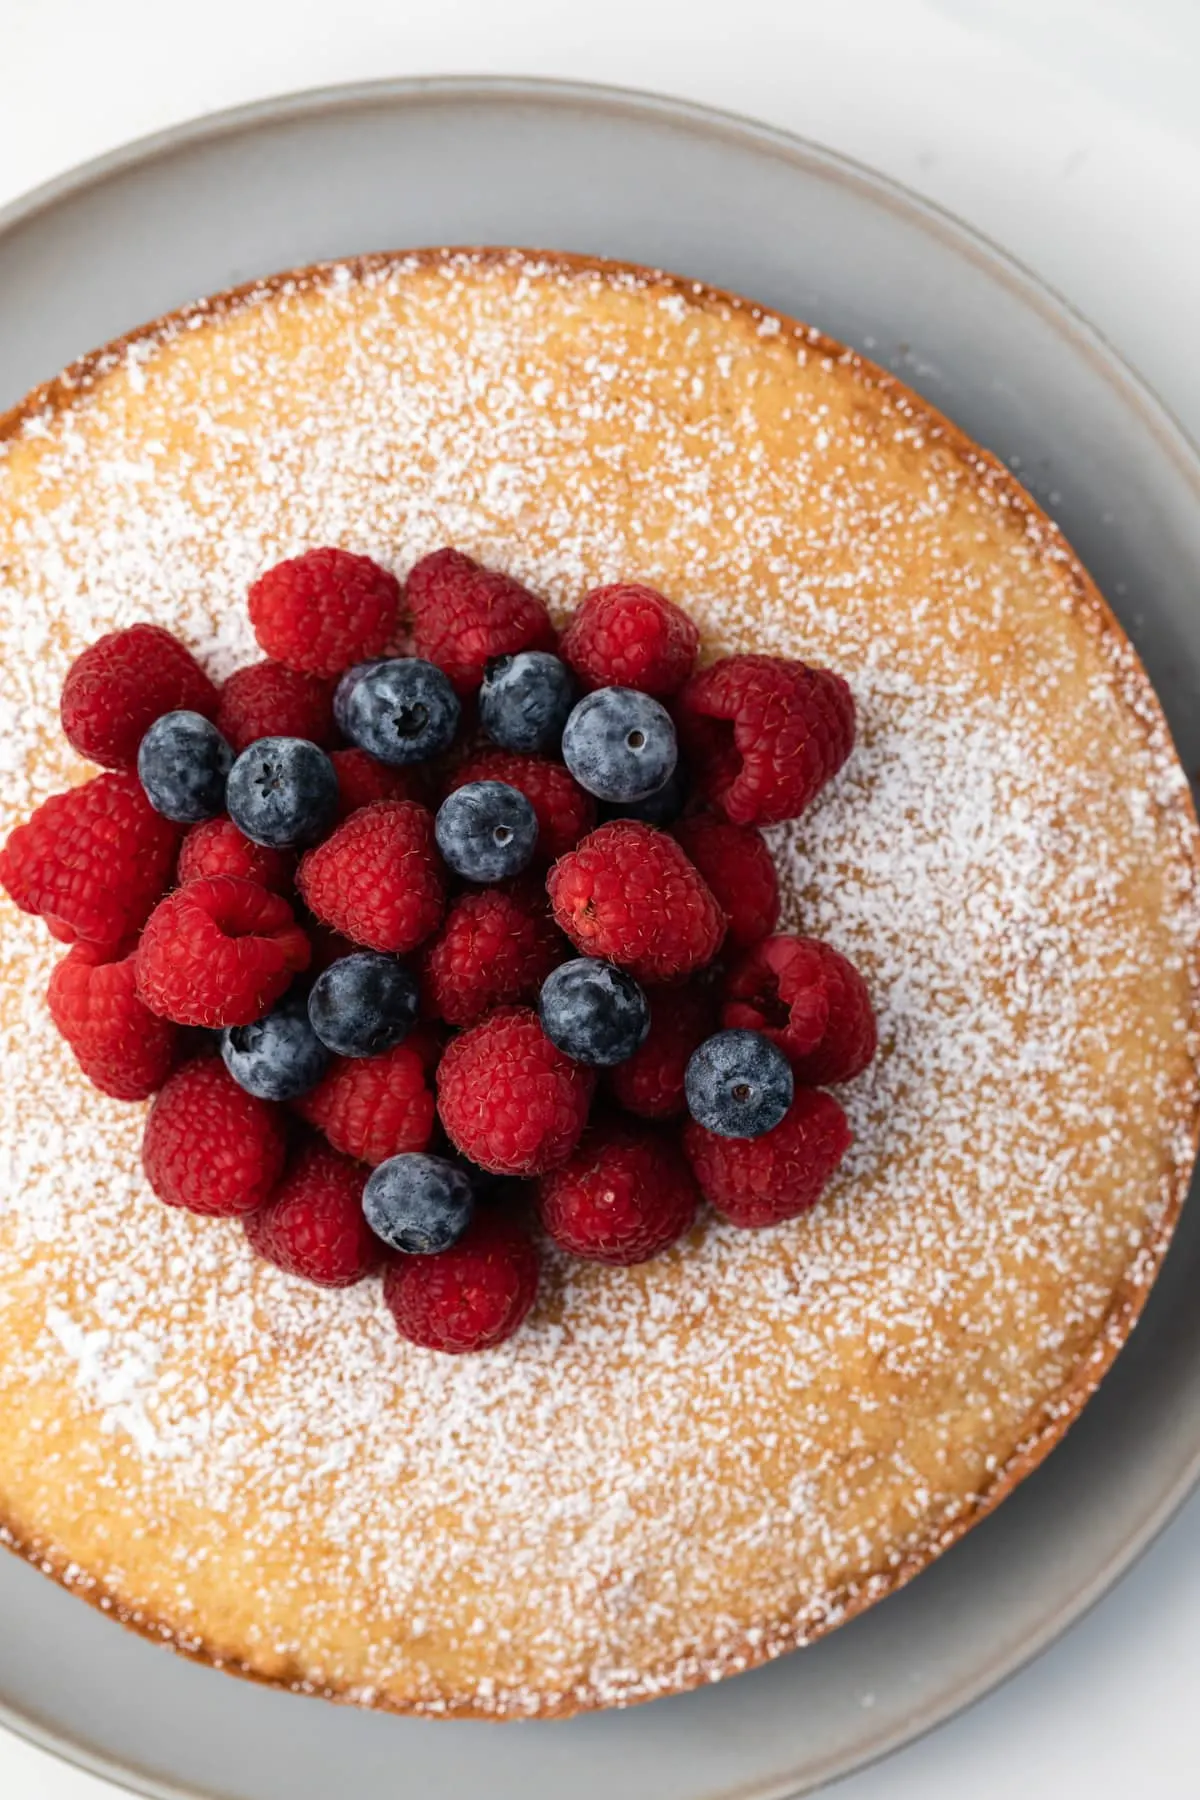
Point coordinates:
[(985, 252)]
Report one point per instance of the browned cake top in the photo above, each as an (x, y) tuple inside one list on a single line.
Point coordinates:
[(673, 1471)]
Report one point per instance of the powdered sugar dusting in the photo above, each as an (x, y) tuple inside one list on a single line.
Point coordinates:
[(671, 1471)]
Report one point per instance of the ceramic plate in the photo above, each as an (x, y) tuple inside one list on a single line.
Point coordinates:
[(653, 181)]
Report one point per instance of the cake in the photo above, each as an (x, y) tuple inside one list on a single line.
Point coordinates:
[(677, 1471)]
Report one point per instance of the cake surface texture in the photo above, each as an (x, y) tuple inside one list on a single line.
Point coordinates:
[(674, 1471)]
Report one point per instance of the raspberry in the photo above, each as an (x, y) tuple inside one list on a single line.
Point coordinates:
[(117, 687), (120, 1045), (564, 812), (211, 1147), (322, 611), (627, 635), (496, 947), (218, 952), (629, 894), (650, 1082), (739, 869), (508, 1098), (464, 615), (267, 699), (765, 1180), (373, 1107), (473, 1295), (91, 861), (762, 735), (811, 1001), (362, 779), (624, 1196), (313, 1224), (378, 879), (218, 848)]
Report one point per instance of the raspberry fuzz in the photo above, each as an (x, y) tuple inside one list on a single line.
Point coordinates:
[(211, 1147), (765, 1180), (496, 947), (122, 1048), (219, 952), (119, 685), (267, 699), (313, 1224), (363, 779), (322, 611), (629, 894), (463, 615), (627, 635), (762, 735), (810, 1000), (218, 848), (373, 1107), (378, 878), (509, 1100), (472, 1296), (625, 1195)]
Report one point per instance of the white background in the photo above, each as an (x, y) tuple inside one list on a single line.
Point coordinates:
[(1069, 130)]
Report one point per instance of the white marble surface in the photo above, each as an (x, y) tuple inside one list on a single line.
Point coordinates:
[(1069, 130)]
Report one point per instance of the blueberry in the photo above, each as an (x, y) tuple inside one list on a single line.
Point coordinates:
[(738, 1084), (486, 830), (282, 791), (363, 1004), (402, 711), (417, 1203), (183, 764), (525, 700), (595, 1014), (662, 807), (280, 1056), (345, 687), (620, 745)]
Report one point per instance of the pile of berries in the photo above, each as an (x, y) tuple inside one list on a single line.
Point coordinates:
[(395, 940)]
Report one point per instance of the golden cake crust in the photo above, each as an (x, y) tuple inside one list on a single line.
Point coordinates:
[(782, 1427)]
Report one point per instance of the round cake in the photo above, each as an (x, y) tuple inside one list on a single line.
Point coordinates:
[(675, 1471)]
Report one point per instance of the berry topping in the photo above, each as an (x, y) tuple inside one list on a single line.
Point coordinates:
[(322, 611), (280, 1056), (464, 616), (218, 848), (313, 1225), (629, 636), (564, 812), (508, 1097), (183, 764), (373, 1107), (218, 952), (650, 1084), (363, 1004), (486, 831), (471, 1297), (811, 1001), (620, 745), (118, 686), (418, 1204), (763, 735), (623, 1197), (629, 894), (283, 791), (122, 1048), (738, 1084), (495, 948), (268, 700), (739, 869), (362, 780), (595, 1014), (92, 861), (209, 1146), (525, 700), (765, 1180), (378, 879), (404, 711)]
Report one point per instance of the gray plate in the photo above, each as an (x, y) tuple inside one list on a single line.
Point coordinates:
[(514, 162)]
